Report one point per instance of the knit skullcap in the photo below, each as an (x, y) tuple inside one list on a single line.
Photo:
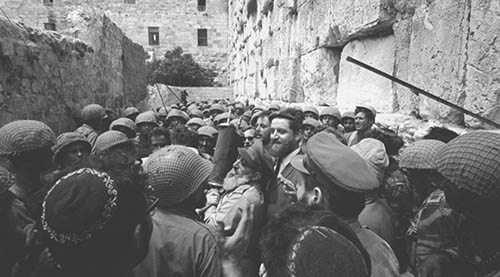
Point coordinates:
[(109, 139), (175, 172), (472, 162), (79, 206), (320, 251), (25, 135), (421, 154)]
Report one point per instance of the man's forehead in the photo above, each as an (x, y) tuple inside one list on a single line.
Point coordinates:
[(280, 123)]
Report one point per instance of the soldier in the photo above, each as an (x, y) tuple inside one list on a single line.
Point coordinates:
[(145, 122), (124, 125), (311, 112), (93, 116), (330, 117)]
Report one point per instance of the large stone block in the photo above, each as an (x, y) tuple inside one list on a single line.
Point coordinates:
[(360, 86), (356, 18), (482, 70), (438, 54), (406, 101), (319, 75)]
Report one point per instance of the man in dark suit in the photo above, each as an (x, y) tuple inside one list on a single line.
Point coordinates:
[(285, 137)]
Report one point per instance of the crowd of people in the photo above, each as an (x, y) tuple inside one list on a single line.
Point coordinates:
[(225, 188)]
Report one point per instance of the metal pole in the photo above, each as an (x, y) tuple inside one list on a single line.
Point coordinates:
[(418, 91), (173, 92), (161, 97)]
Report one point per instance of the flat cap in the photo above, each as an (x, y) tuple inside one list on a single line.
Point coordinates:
[(25, 135), (334, 163), (471, 162), (421, 154)]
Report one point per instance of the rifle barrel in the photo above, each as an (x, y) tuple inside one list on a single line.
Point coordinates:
[(417, 91)]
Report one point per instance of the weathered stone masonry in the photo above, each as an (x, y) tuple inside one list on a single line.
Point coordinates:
[(295, 50), (48, 76), (177, 23)]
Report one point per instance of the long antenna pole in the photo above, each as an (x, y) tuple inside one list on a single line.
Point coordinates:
[(418, 91), (161, 97)]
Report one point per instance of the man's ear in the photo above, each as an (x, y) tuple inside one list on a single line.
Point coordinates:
[(299, 134), (317, 196)]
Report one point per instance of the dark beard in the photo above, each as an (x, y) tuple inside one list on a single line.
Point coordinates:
[(281, 150)]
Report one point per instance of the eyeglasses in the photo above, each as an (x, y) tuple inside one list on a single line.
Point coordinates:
[(288, 186)]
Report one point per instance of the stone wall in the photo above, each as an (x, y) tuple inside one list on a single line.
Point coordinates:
[(48, 76), (295, 50), (172, 95), (177, 21)]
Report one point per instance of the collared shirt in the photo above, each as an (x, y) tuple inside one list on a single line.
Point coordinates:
[(275, 197), (383, 259), (180, 246), (286, 160)]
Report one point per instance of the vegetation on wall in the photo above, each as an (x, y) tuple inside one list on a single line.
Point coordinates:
[(179, 69)]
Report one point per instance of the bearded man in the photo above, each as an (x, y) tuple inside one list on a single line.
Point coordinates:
[(243, 184), (286, 134)]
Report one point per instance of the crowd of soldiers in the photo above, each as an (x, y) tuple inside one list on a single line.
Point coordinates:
[(231, 189)]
